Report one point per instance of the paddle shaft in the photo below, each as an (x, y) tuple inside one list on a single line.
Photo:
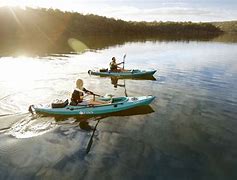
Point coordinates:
[(124, 60), (125, 90), (91, 139), (97, 95)]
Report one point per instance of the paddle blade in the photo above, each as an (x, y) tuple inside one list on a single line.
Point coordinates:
[(124, 60), (89, 146)]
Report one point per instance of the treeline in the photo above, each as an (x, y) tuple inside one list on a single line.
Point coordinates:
[(54, 23), (227, 26), (46, 31)]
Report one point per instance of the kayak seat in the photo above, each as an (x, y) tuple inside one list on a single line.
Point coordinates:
[(104, 70)]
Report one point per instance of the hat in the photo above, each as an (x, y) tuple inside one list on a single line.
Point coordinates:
[(79, 84)]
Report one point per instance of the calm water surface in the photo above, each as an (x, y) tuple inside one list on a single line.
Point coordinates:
[(188, 132)]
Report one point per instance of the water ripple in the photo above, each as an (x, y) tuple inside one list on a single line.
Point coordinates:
[(30, 127)]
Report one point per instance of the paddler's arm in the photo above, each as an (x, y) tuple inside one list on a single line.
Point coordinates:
[(120, 63), (87, 91)]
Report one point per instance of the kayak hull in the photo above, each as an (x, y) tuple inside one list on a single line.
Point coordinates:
[(128, 74), (125, 104)]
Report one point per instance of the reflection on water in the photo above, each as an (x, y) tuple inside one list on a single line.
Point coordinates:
[(227, 38), (42, 46), (188, 134), (115, 80)]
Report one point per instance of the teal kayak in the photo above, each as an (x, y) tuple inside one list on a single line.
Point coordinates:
[(117, 104), (128, 73)]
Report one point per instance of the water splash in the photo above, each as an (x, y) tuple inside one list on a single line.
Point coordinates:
[(31, 127)]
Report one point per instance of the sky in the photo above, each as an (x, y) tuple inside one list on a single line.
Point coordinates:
[(142, 10)]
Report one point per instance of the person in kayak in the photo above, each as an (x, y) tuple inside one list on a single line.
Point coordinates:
[(114, 66), (78, 95)]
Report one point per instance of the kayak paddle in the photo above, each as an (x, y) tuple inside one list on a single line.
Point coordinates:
[(91, 139), (124, 60)]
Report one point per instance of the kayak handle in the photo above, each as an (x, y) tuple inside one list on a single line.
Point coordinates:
[(31, 109)]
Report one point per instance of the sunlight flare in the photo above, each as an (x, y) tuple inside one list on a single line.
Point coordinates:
[(16, 18), (77, 45)]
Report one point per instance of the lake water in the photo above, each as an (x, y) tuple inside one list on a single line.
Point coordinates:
[(188, 132)]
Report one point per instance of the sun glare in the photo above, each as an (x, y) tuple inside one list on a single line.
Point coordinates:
[(63, 5), (13, 3), (19, 72)]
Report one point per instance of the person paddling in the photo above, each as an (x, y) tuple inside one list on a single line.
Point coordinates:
[(114, 66), (78, 95)]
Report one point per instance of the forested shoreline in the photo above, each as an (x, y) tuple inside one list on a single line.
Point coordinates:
[(53, 23), (226, 26), (44, 31)]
